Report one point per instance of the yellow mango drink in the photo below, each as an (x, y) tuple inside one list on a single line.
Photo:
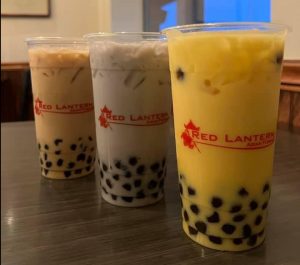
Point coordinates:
[(225, 88)]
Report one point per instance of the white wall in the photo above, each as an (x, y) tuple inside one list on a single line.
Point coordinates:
[(68, 18), (288, 12)]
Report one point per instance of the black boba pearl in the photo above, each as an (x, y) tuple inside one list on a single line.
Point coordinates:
[(90, 138), (216, 202), (73, 147), (201, 226), (116, 177), (237, 241), (179, 74), (114, 197), (191, 191), (48, 164), (39, 146), (185, 216), (140, 170), (264, 206), (81, 157), (140, 194), (215, 239), (155, 195), (104, 167), (78, 171), (163, 162), (247, 231), (258, 220), (127, 186), (127, 199), (266, 188), (46, 147), (228, 229), (92, 149), (239, 218), (71, 165), (101, 174), (192, 231), (108, 183), (159, 174), (252, 241), (57, 141), (118, 164), (236, 208), (45, 156), (180, 189), (214, 218), (194, 208), (41, 161), (59, 162), (127, 174), (104, 190), (132, 161), (67, 173), (152, 184), (154, 167), (137, 183), (57, 152), (253, 205), (243, 192), (88, 168), (161, 183), (46, 171), (89, 160)]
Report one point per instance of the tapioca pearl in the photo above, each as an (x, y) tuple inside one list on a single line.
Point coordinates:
[(114, 197), (163, 162), (214, 218), (161, 183), (79, 138), (127, 199), (71, 164), (194, 208), (127, 186), (104, 167), (88, 168), (264, 206), (154, 167), (180, 189), (73, 147), (128, 174), (266, 187), (140, 194), (92, 149), (78, 171), (58, 141), (237, 241), (201, 226), (238, 218), (108, 183), (67, 173), (228, 229), (215, 239), (132, 161), (45, 156), (179, 74), (235, 208), (192, 230), (152, 184), (46, 171), (247, 231), (243, 192), (48, 164), (118, 164), (101, 174), (258, 220), (154, 195), (140, 170), (41, 161), (116, 177), (89, 160), (57, 152), (80, 157), (46, 147), (90, 138), (252, 241), (191, 191), (59, 162), (137, 183), (185, 216), (104, 190), (253, 205), (216, 202)]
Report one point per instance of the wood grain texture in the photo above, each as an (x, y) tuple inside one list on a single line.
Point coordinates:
[(65, 222)]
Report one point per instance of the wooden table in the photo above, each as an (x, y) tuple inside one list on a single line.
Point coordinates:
[(65, 222)]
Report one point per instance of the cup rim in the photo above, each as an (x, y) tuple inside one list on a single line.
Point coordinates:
[(230, 26), (56, 40), (100, 35)]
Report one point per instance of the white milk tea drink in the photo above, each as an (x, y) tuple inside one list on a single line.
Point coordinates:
[(63, 106), (131, 84)]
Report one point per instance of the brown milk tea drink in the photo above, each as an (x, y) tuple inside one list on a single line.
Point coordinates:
[(63, 106), (131, 84)]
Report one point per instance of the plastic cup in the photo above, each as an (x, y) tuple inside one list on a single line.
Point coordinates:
[(225, 87), (132, 97), (63, 106)]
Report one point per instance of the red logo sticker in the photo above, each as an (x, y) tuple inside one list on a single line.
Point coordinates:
[(107, 117), (193, 136)]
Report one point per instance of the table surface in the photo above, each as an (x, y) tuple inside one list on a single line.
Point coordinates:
[(66, 222)]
